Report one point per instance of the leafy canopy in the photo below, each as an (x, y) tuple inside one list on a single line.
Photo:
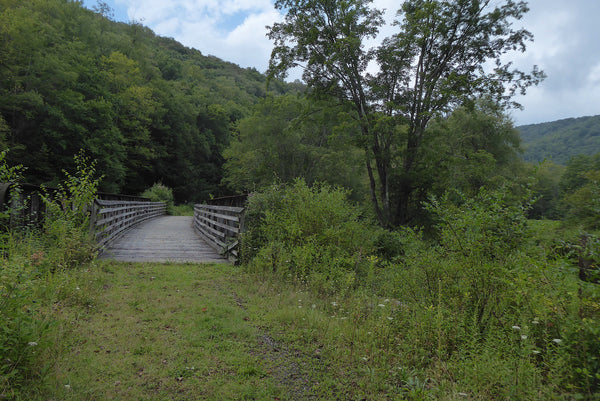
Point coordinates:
[(445, 53)]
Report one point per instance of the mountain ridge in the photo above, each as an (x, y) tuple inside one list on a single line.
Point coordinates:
[(560, 140)]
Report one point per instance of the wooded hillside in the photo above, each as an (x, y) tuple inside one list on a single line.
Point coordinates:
[(560, 140), (146, 107)]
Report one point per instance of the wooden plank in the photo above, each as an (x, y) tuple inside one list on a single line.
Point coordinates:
[(232, 229), (163, 239), (233, 209)]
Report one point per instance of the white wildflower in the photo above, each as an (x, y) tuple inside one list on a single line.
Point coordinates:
[(523, 337), (516, 328), (32, 343), (381, 305), (557, 340)]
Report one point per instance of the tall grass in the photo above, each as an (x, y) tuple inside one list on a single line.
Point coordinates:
[(32, 278), (491, 307)]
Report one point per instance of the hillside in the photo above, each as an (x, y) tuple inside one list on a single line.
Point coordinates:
[(560, 140), (145, 107)]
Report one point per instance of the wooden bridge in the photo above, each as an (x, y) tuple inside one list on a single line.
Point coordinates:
[(137, 230), (141, 232)]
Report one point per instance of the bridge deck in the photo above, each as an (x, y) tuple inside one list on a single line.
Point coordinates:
[(163, 239)]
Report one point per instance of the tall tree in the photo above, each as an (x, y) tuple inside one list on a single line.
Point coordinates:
[(446, 53)]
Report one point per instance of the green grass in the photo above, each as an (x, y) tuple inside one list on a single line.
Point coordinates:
[(159, 331), (211, 332)]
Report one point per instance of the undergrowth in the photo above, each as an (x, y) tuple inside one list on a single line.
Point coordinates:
[(491, 307), (32, 274)]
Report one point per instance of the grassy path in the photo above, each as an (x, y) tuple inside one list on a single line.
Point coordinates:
[(170, 332)]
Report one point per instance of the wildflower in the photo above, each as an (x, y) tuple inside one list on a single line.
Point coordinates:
[(523, 337), (535, 322), (390, 318), (516, 328), (381, 305), (536, 352), (557, 340), (364, 358), (68, 387), (77, 288), (386, 300), (344, 318), (32, 343), (299, 306), (334, 303), (313, 306)]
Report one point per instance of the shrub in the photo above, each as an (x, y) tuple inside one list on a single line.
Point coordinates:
[(66, 224), (309, 235), (27, 270), (160, 193)]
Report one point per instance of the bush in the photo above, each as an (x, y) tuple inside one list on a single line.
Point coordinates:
[(27, 270), (160, 193), (309, 235), (66, 224)]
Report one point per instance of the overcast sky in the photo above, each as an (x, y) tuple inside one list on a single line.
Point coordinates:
[(566, 45)]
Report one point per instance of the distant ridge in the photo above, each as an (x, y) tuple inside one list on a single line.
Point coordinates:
[(559, 140)]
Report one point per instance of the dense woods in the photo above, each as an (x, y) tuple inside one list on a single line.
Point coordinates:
[(560, 140), (147, 108), (441, 262)]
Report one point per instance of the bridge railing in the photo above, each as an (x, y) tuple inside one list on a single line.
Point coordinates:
[(220, 226), (111, 218)]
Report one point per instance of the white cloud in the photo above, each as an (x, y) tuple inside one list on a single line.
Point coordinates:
[(565, 47), (594, 75)]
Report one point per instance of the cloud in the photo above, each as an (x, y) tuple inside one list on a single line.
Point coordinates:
[(566, 44), (233, 30)]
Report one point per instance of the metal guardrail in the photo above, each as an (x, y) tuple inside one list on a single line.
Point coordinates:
[(220, 226), (109, 218)]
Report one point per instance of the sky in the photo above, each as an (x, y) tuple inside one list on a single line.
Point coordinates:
[(566, 43)]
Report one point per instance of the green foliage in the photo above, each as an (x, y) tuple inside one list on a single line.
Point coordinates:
[(546, 189), (561, 140), (428, 67), (492, 308), (145, 107), (309, 235), (8, 174), (27, 272), (487, 227), (580, 187), (160, 193), (291, 137), (66, 223)]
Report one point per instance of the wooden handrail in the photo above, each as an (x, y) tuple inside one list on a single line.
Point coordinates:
[(220, 226), (110, 218)]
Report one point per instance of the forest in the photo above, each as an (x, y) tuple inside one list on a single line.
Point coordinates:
[(438, 259), (560, 140), (147, 108)]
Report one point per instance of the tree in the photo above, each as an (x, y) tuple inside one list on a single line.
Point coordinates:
[(436, 62), (471, 148), (289, 137)]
